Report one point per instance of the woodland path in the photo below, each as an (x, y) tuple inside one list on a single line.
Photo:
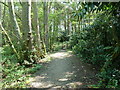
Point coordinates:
[(65, 70)]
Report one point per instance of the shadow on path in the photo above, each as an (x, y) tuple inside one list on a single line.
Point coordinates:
[(66, 71)]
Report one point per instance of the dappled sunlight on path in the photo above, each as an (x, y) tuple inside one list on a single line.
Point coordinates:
[(65, 70), (61, 54)]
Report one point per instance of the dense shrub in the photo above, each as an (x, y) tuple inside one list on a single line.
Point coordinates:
[(14, 74), (96, 44)]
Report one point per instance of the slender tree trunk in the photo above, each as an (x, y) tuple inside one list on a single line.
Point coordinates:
[(0, 13), (79, 24), (54, 30), (3, 40), (27, 30), (13, 19), (75, 28), (49, 27), (0, 23), (72, 32), (68, 25), (36, 27), (45, 9), (57, 30), (4, 12), (50, 33), (65, 25), (0, 41)]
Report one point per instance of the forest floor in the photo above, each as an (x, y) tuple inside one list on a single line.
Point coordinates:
[(65, 70)]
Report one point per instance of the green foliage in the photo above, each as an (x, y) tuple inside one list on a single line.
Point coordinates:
[(97, 44), (109, 78), (63, 37), (14, 74), (57, 46)]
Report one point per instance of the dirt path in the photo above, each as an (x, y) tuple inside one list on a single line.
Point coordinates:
[(66, 71)]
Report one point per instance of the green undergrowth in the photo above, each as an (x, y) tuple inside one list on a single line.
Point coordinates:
[(60, 45), (57, 46), (15, 75), (96, 45)]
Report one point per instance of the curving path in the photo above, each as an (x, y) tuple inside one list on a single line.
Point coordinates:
[(65, 70)]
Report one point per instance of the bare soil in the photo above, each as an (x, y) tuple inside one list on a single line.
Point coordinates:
[(65, 70)]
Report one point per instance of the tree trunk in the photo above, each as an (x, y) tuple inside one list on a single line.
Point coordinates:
[(36, 28), (54, 30), (45, 9), (68, 25), (7, 36), (0, 23), (65, 25), (13, 19), (79, 24), (72, 32), (26, 27), (75, 28), (50, 33)]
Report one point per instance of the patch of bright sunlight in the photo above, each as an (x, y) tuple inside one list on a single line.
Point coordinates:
[(60, 55), (36, 84), (63, 79), (41, 85), (70, 51), (69, 74), (29, 80), (57, 87), (75, 83), (41, 77), (47, 85), (46, 59)]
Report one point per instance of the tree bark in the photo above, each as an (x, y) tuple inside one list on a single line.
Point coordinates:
[(65, 25), (0, 23), (36, 27), (26, 27), (13, 19), (68, 25), (45, 9), (79, 24)]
